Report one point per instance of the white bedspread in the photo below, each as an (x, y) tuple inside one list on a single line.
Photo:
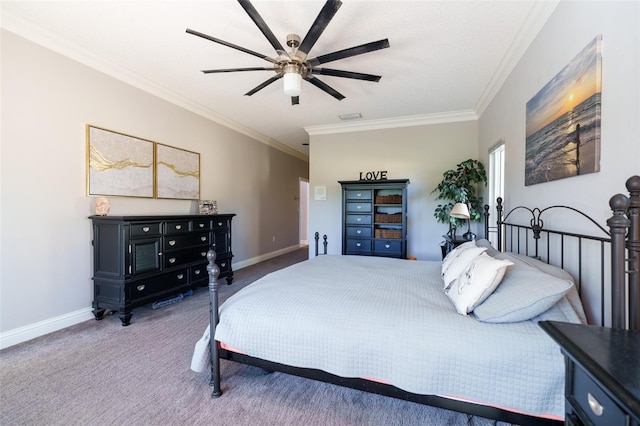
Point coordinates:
[(389, 319)]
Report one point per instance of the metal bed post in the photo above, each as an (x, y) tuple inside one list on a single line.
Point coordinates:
[(633, 248), (499, 223), (324, 242), (618, 225), (214, 349)]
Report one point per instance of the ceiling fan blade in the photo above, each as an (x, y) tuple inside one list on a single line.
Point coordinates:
[(295, 100), (238, 69), (231, 45), (257, 19), (352, 51), (263, 85), (319, 84), (346, 74), (322, 20)]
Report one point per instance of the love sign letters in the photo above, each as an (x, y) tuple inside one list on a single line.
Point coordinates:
[(379, 175)]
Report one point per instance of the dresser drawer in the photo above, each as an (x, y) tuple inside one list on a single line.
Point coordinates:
[(224, 265), (358, 246), (182, 257), (589, 399), (201, 225), (358, 219), (218, 224), (358, 207), (388, 247), (359, 194), (358, 231), (144, 229), (175, 242), (142, 288), (199, 273), (176, 227)]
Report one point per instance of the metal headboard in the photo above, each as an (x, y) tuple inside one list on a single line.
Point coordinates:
[(621, 287)]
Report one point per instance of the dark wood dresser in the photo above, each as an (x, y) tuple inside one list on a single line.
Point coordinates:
[(142, 259), (602, 381), (374, 217)]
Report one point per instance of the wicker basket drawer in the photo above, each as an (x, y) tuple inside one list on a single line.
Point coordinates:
[(388, 233), (389, 218), (388, 199)]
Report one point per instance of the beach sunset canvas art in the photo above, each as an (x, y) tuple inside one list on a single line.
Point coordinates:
[(563, 121)]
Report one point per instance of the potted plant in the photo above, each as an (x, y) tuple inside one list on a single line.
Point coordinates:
[(460, 186)]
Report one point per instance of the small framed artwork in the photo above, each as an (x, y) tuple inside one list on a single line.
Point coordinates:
[(208, 207), (119, 164), (177, 173)]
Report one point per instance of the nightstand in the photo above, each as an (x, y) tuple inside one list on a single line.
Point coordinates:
[(602, 378), (451, 242)]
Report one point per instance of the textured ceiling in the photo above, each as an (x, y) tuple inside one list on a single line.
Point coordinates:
[(447, 58)]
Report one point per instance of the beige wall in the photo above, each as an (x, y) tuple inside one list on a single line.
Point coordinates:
[(47, 100), (419, 153), (570, 28)]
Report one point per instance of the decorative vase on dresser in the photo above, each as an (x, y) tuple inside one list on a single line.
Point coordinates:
[(374, 217), (142, 259)]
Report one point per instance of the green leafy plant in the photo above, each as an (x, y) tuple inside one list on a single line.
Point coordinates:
[(460, 186)]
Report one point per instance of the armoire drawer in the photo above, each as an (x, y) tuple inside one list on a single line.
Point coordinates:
[(360, 246), (388, 247)]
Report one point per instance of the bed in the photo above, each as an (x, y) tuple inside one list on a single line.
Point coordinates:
[(389, 326)]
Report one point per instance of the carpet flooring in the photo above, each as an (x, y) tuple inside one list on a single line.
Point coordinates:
[(100, 373)]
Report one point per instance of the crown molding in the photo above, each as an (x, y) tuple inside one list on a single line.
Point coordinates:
[(390, 123), (23, 28), (538, 16)]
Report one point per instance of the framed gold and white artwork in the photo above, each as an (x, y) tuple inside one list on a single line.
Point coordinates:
[(119, 164), (177, 173)]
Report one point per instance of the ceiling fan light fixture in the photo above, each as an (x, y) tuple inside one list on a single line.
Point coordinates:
[(292, 83)]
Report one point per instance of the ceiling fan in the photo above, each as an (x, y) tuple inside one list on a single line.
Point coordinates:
[(294, 66)]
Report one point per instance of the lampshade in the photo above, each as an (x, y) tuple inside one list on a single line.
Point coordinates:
[(460, 211), (292, 83)]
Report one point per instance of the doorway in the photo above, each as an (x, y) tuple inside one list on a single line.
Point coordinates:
[(303, 211)]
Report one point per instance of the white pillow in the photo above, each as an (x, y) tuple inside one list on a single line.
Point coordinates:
[(479, 279), (459, 264), (454, 253)]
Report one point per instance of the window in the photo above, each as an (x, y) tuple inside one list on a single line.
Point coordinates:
[(496, 184)]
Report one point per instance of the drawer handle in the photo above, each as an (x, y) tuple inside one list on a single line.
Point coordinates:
[(359, 194), (594, 405), (359, 231), (141, 287), (358, 219), (180, 276), (197, 272), (358, 207), (223, 264), (201, 225), (219, 223), (172, 260), (203, 253), (145, 229), (358, 244), (172, 243), (203, 238), (387, 245), (178, 227)]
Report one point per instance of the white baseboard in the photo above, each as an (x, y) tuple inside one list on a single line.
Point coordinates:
[(267, 256), (28, 332), (31, 331)]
